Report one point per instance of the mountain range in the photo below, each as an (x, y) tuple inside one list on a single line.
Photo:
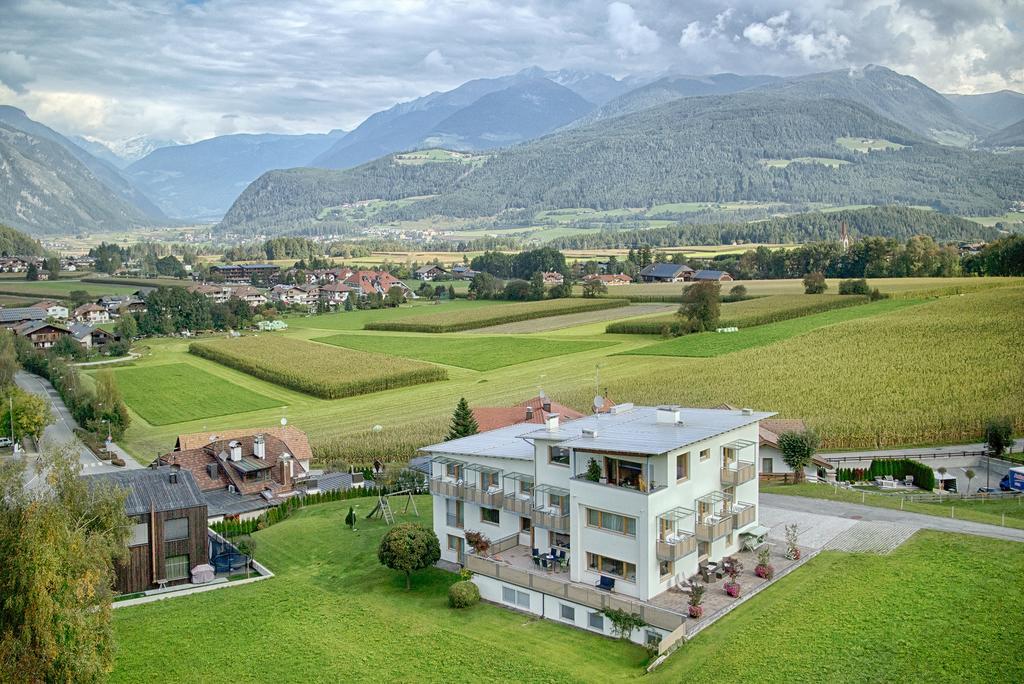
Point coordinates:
[(508, 117)]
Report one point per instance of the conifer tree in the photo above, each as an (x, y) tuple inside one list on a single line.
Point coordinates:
[(463, 422)]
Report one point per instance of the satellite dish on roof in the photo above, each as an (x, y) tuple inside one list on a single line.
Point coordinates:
[(284, 421), (598, 403)]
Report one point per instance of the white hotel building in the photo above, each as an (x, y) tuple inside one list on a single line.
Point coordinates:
[(676, 487)]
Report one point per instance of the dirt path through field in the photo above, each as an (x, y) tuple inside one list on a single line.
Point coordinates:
[(571, 320)]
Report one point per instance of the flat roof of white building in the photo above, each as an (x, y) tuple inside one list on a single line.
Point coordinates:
[(637, 430), (630, 430)]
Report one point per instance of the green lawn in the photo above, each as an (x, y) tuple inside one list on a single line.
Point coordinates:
[(177, 392), (716, 344), (355, 320), (941, 608), (51, 288), (476, 353), (992, 512)]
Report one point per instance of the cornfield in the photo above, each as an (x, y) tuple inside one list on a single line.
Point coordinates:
[(455, 321), (747, 313), (321, 370)]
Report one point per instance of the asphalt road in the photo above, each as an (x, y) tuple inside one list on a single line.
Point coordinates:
[(840, 509)]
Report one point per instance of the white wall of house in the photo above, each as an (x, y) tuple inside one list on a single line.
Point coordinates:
[(778, 465)]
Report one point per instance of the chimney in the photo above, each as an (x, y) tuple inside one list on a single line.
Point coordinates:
[(546, 405), (172, 477), (236, 450), (668, 415), (552, 422), (259, 446), (286, 471), (529, 413), (589, 433)]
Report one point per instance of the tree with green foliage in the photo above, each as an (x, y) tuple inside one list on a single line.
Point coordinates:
[(516, 290), (79, 297), (58, 545), (738, 291), (9, 365), (451, 291), (485, 286), (999, 435), (536, 291), (110, 405), (32, 273), (246, 546), (970, 475), (395, 296), (69, 348), (408, 547), (798, 448), (623, 622), (593, 288), (126, 328), (814, 283), (702, 304), (463, 422), (561, 291)]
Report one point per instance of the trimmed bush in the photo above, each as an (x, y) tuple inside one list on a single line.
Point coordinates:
[(853, 286), (924, 476), (468, 319), (463, 594), (321, 370)]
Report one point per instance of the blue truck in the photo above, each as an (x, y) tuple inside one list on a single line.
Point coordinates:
[(1013, 481)]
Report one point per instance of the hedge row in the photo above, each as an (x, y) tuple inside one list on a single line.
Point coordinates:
[(140, 282), (924, 476), (272, 516), (668, 323), (456, 321)]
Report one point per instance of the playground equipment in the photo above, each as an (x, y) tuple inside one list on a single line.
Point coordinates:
[(383, 507)]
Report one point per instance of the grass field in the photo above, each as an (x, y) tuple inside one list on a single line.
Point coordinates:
[(868, 144), (177, 392), (332, 613), (716, 344), (61, 288), (355, 320), (456, 321), (989, 511), (477, 353), (321, 370)]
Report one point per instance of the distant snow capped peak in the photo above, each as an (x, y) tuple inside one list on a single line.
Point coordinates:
[(133, 148)]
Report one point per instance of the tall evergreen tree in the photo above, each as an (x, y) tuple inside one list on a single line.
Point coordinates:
[(463, 422)]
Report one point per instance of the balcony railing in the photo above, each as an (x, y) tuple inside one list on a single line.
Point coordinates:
[(514, 504), (455, 520), (713, 529), (683, 545), (446, 488), (484, 498), (558, 522), (743, 472), (744, 514)]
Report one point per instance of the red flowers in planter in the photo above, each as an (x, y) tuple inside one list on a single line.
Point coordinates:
[(764, 571), (732, 588), (696, 611)]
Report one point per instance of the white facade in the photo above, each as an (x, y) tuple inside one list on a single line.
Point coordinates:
[(676, 487)]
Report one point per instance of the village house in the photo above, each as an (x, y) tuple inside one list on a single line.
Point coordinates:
[(267, 274), (252, 296), (463, 272), (367, 283), (15, 316), (553, 278), (218, 294), (429, 272), (89, 336), (169, 538), (91, 313), (42, 334), (610, 280), (630, 502), (53, 309), (334, 293), (666, 273), (118, 304), (295, 295)]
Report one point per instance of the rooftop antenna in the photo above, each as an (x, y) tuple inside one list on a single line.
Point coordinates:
[(598, 399)]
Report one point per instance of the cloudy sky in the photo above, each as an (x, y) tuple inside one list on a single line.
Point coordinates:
[(189, 69)]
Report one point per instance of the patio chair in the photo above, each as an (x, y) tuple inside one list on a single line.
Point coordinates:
[(561, 554), (536, 551), (606, 583), (536, 561), (554, 552), (544, 563)]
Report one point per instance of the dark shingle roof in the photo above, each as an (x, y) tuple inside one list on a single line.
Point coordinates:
[(708, 275), (664, 270), (23, 313), (152, 489), (223, 502)]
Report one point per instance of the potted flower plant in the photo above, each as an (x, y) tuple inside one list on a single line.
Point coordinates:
[(696, 596), (792, 550), (731, 586), (764, 568), (593, 471)]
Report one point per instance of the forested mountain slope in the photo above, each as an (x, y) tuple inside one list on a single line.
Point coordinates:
[(892, 221), (901, 98), (44, 189), (15, 243), (1011, 136), (201, 180), (699, 149), (995, 110), (104, 172)]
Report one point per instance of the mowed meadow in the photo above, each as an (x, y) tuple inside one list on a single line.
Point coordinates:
[(913, 371)]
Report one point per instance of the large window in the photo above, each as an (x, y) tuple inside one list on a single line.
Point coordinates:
[(728, 456), (596, 621), (568, 613), (454, 543), (559, 455), (140, 534), (683, 466), (611, 566), (453, 470), (176, 568), (766, 465), (624, 473), (175, 529), (490, 515), (613, 522)]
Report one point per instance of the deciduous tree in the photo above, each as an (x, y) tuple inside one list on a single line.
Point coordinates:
[(408, 547), (798, 448), (702, 304)]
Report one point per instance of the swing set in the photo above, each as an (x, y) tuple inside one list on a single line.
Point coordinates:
[(383, 508)]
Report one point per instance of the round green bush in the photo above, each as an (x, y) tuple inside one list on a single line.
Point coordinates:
[(463, 594)]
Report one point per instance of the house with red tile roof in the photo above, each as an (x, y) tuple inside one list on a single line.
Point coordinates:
[(369, 282), (535, 410)]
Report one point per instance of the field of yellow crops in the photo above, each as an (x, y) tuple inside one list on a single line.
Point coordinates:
[(468, 319)]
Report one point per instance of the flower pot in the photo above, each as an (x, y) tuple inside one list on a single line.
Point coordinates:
[(732, 589), (696, 611)]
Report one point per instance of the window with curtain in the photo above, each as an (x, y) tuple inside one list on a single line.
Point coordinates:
[(683, 466), (613, 522), (176, 567)]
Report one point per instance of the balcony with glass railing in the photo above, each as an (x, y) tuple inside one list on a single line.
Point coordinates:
[(518, 495), (675, 534), (714, 517), (549, 516), (738, 472)]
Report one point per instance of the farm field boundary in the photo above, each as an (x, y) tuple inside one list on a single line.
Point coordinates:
[(716, 344), (321, 370), (480, 318)]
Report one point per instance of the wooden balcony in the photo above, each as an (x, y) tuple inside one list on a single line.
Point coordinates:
[(513, 504), (743, 472), (488, 499), (673, 551), (710, 531), (744, 514), (558, 522), (449, 489)]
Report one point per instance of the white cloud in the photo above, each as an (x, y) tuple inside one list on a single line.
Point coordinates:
[(435, 61), (626, 31), (15, 70), (693, 34), (760, 35)]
